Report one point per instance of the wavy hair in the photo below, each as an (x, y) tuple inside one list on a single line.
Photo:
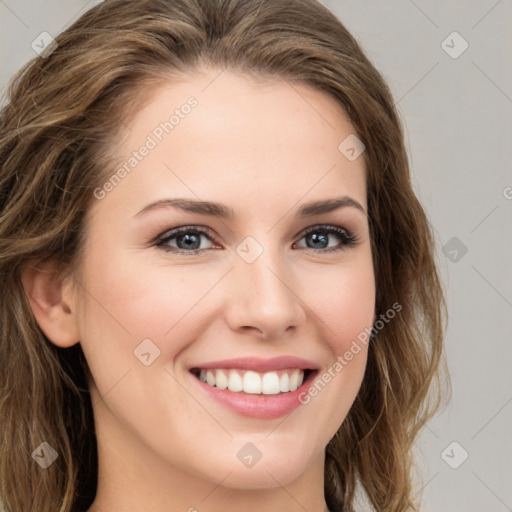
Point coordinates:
[(57, 143)]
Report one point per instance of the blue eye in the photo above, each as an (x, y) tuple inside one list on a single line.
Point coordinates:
[(319, 235), (187, 239)]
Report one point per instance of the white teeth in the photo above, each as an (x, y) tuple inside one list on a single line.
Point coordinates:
[(221, 379), (235, 381), (210, 378), (284, 383), (294, 380), (252, 383), (269, 383)]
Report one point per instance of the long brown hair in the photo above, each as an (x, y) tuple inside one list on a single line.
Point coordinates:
[(56, 134)]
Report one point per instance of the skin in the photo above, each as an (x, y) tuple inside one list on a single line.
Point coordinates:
[(262, 148)]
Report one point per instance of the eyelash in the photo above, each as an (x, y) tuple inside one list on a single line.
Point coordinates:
[(348, 240)]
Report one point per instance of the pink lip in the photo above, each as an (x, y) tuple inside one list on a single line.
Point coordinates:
[(257, 364), (256, 406)]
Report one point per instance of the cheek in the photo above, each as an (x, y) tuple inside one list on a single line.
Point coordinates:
[(130, 300), (344, 301), (343, 297)]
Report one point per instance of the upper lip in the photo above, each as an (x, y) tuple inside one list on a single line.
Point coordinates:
[(258, 364)]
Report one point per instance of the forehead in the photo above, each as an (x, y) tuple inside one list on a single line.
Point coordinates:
[(228, 137)]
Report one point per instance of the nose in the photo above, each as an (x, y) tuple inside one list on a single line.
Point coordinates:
[(264, 297)]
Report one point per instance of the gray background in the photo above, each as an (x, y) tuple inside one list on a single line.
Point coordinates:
[(458, 122)]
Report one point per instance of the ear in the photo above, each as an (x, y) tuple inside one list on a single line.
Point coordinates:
[(51, 300)]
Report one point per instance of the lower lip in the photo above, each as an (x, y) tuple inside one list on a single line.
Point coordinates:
[(257, 406)]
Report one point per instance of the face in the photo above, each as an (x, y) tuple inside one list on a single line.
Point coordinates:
[(261, 298)]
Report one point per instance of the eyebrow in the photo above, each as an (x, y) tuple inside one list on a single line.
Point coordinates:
[(222, 211)]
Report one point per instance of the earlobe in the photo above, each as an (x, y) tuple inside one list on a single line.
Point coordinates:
[(50, 299)]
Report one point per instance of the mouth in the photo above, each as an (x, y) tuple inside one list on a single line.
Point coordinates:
[(265, 394), (255, 387), (243, 381)]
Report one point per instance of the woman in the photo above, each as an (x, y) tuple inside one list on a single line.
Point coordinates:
[(219, 285)]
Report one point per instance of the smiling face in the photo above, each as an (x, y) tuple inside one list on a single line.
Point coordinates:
[(157, 311)]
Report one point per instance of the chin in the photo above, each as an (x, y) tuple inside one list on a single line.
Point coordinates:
[(264, 476), (274, 468)]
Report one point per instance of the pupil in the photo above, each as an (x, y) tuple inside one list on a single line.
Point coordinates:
[(316, 237), (189, 241)]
